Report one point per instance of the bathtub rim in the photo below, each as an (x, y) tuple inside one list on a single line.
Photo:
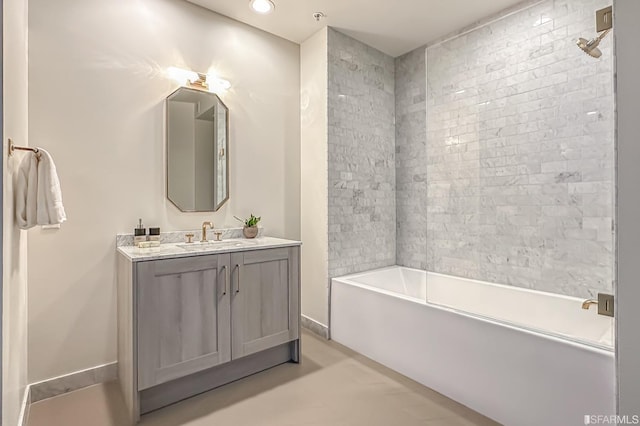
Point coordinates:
[(378, 289), (558, 337)]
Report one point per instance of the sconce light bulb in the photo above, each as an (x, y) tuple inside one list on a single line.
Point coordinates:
[(218, 85), (183, 77)]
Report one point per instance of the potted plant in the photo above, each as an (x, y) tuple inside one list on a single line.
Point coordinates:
[(250, 229)]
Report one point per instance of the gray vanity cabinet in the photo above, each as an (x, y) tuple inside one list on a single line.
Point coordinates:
[(183, 317), (264, 309), (188, 324)]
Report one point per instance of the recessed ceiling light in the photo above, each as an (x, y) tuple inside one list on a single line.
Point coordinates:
[(262, 6)]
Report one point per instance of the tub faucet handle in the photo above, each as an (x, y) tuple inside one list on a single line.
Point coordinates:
[(605, 304)]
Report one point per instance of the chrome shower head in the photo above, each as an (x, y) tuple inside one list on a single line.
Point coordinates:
[(590, 47)]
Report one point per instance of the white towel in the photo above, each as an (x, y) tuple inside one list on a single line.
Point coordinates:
[(49, 205), (38, 195), (26, 192)]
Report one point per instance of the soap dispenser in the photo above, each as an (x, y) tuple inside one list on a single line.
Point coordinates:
[(139, 233)]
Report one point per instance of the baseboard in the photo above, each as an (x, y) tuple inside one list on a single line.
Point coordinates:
[(74, 381), (23, 419), (185, 387), (315, 327)]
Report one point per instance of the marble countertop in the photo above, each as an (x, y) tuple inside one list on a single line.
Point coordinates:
[(174, 250)]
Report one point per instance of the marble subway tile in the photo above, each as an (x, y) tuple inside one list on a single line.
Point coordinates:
[(544, 154), (500, 163), (362, 175)]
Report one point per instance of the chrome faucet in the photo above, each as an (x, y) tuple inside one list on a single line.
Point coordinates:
[(587, 303), (204, 230)]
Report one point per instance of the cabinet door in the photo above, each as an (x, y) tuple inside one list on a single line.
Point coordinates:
[(264, 306), (183, 317)]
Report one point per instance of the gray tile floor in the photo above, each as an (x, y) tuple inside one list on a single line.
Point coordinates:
[(332, 386)]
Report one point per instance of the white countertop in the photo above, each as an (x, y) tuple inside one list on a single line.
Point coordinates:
[(174, 250)]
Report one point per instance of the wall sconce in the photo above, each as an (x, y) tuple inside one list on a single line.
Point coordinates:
[(200, 81)]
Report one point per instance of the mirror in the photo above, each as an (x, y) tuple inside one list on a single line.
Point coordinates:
[(197, 150)]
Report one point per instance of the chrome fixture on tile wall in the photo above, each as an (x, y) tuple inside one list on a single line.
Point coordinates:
[(604, 23)]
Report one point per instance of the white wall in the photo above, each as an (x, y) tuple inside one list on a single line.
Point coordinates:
[(627, 33), (314, 176), (14, 332), (96, 103)]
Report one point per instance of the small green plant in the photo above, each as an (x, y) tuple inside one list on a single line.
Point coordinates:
[(252, 221)]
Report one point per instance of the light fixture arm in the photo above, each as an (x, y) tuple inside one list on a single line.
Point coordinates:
[(200, 83)]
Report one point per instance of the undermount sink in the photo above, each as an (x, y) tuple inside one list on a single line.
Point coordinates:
[(213, 245)]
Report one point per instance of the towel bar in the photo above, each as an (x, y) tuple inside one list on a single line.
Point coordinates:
[(12, 147)]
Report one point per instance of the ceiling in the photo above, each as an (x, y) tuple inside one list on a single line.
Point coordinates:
[(392, 26)]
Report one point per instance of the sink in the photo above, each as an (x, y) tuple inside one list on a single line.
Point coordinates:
[(215, 245)]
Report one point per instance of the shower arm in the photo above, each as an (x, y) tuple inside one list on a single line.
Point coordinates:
[(598, 39)]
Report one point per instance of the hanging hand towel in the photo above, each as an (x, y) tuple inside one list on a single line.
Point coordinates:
[(50, 210), (26, 192)]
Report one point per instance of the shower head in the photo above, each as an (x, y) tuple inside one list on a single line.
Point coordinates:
[(590, 47)]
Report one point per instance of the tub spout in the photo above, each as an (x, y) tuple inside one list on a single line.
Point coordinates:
[(587, 303)]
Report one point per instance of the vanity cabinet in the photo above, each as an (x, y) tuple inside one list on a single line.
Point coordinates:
[(184, 317), (189, 324), (264, 304)]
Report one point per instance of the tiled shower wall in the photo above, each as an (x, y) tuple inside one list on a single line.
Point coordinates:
[(520, 152), (411, 164), (362, 199)]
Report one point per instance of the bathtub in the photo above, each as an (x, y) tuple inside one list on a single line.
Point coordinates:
[(519, 356)]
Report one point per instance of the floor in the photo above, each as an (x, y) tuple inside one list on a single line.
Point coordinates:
[(332, 386)]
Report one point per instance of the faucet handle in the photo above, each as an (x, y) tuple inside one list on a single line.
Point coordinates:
[(218, 234), (189, 237)]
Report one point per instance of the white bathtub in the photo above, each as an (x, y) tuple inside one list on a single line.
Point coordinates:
[(518, 356)]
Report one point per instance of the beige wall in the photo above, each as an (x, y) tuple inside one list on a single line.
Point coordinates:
[(14, 259), (96, 103), (314, 176)]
